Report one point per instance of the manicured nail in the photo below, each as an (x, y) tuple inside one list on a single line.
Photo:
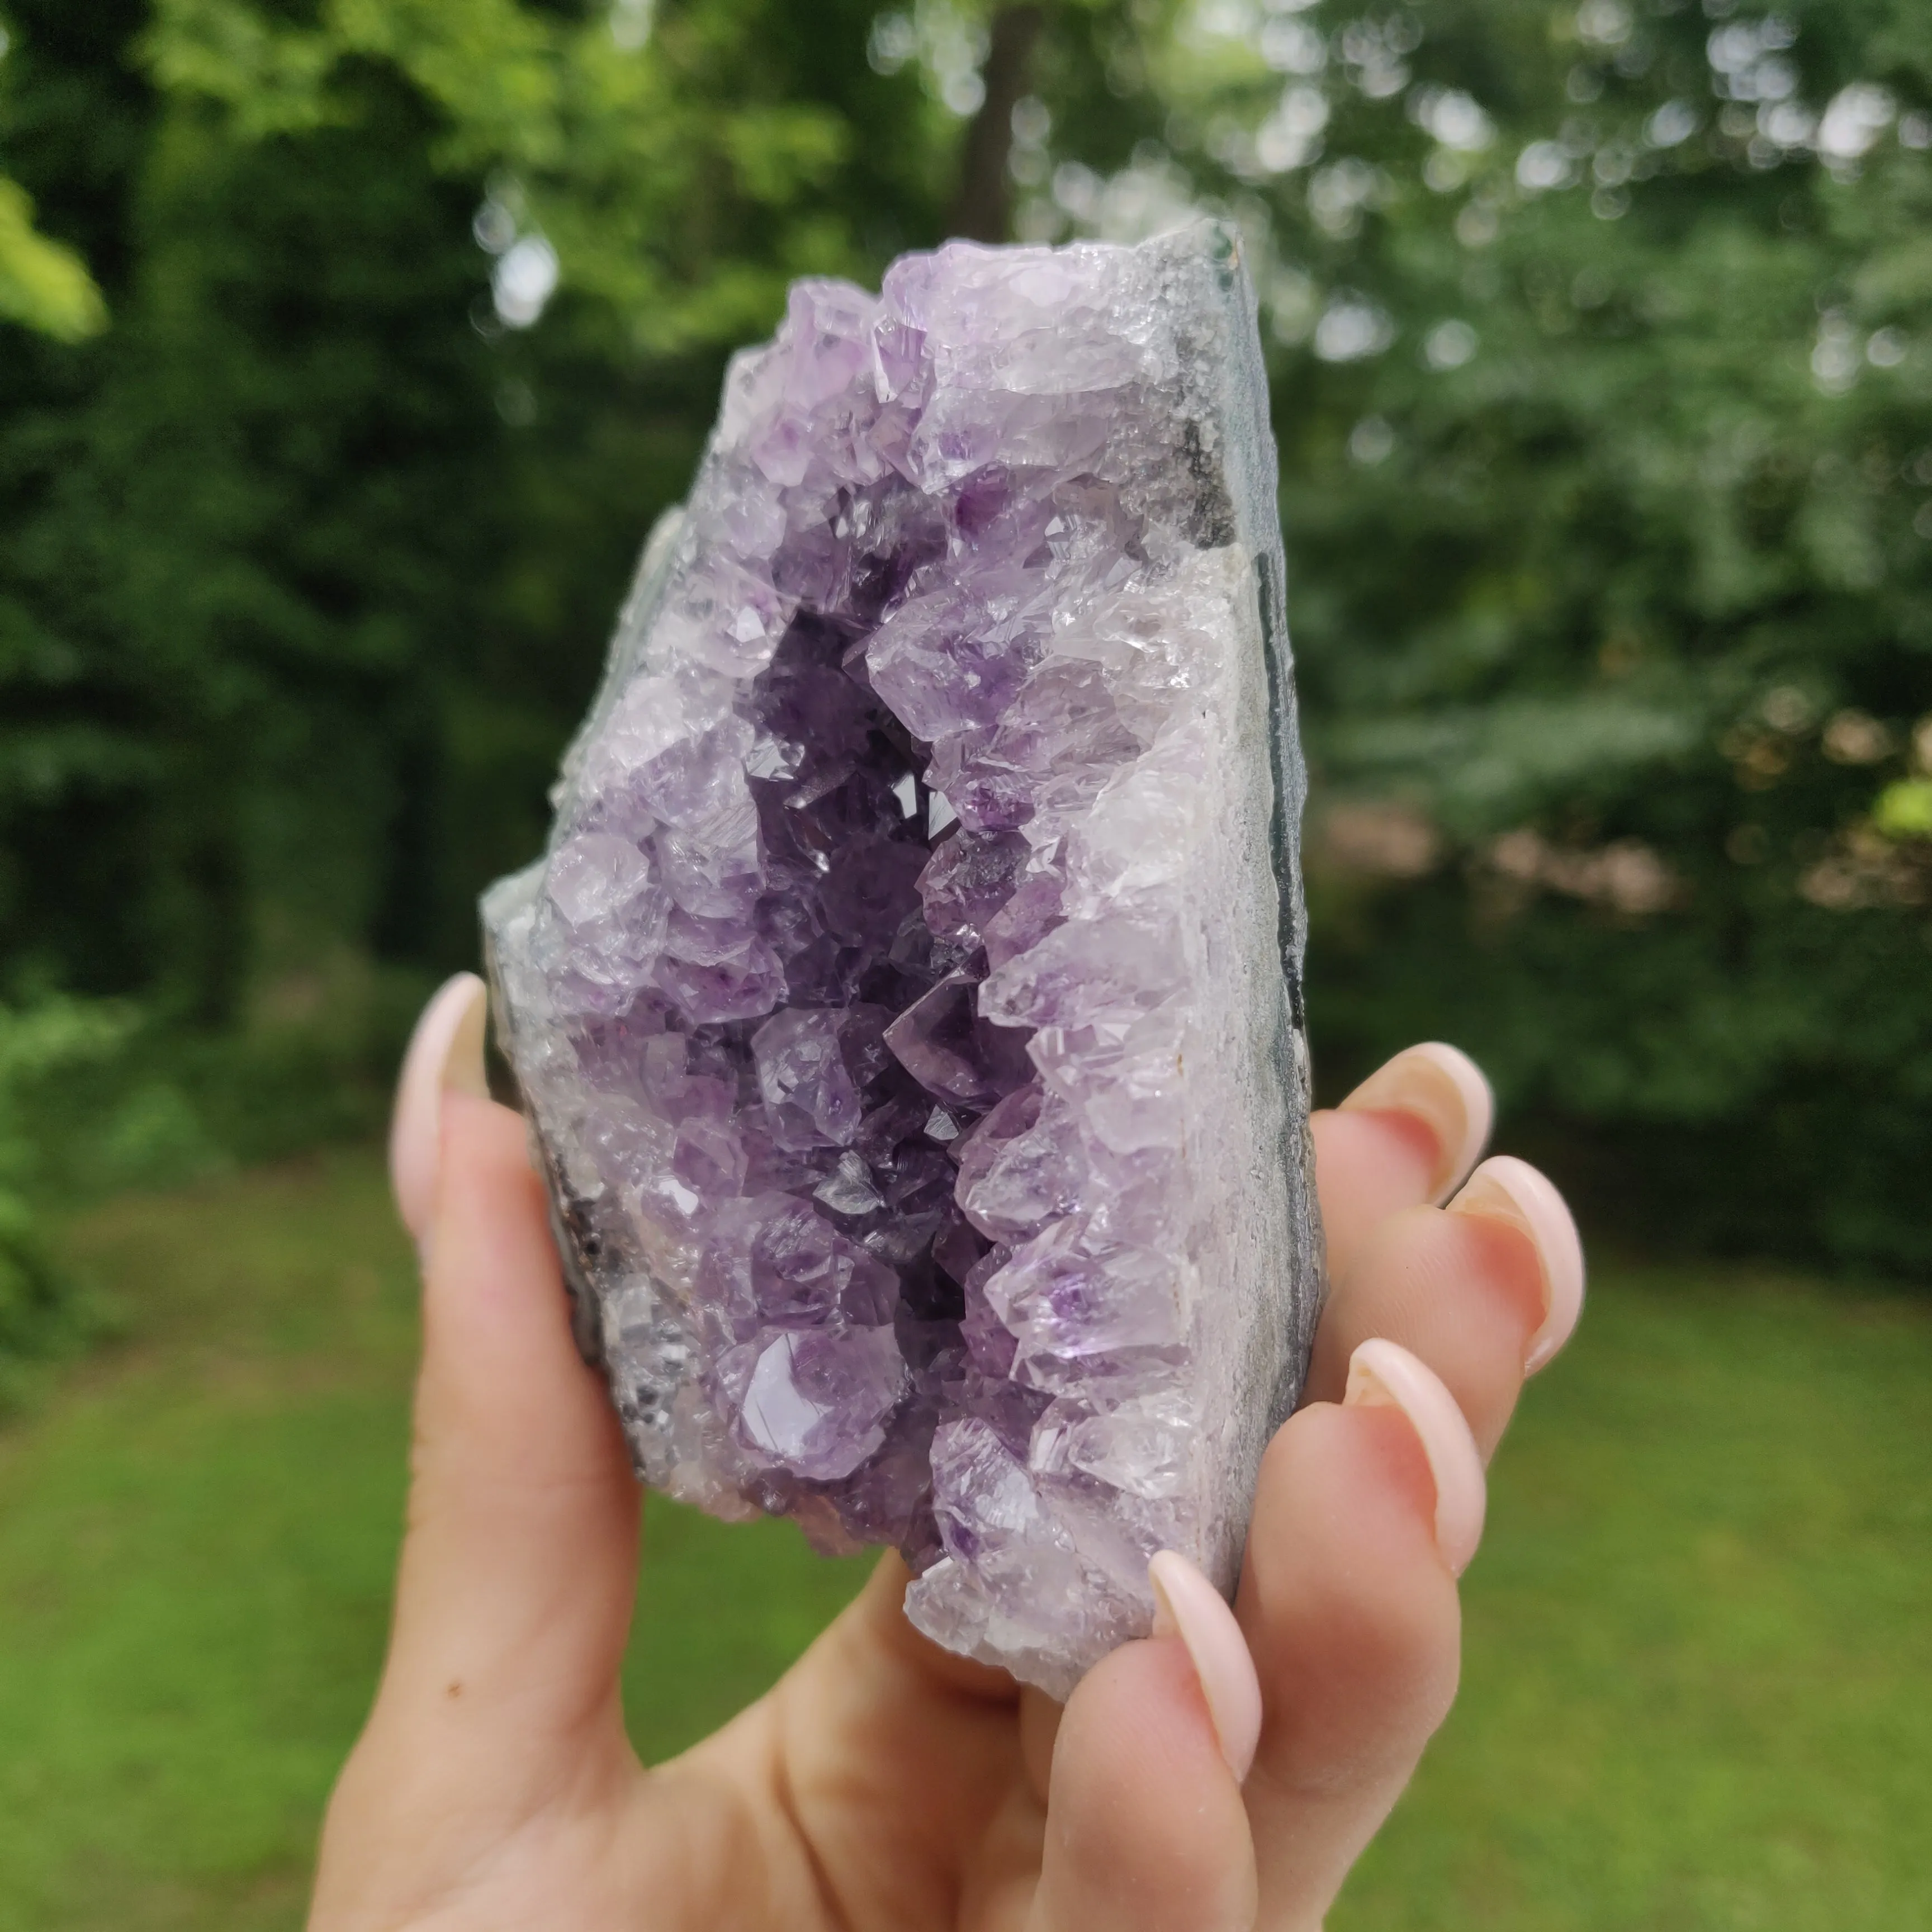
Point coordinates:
[(1383, 1375), (1445, 1090), (1505, 1189), (446, 1055), (1187, 1605)]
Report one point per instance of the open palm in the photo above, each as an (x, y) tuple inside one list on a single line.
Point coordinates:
[(1223, 1774)]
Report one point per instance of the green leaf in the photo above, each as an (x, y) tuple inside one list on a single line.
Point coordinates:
[(272, 81), (1904, 810), (42, 284)]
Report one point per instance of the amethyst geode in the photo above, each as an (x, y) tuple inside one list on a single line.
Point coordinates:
[(908, 1005)]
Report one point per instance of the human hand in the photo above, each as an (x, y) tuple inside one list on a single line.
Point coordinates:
[(1221, 1776)]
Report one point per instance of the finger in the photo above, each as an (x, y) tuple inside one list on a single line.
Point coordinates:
[(1365, 1513), (1146, 1831), (446, 1046), (1509, 1193), (517, 1573), (499, 1698), (1407, 1134), (1485, 1291)]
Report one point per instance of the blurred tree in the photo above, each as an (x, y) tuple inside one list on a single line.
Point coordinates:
[(1604, 392), (1603, 386), (983, 208), (313, 557)]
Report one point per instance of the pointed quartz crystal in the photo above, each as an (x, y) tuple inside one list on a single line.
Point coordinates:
[(907, 1007)]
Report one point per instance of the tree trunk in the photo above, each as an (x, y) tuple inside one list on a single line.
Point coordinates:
[(982, 211)]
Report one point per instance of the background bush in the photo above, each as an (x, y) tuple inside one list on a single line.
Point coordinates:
[(44, 1313), (1604, 384)]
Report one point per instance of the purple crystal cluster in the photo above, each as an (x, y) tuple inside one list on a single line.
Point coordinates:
[(907, 1004)]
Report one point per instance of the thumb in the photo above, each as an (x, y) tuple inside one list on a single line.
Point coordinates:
[(520, 1559)]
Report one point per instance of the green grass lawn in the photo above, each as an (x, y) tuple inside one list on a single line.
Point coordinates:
[(1699, 1691)]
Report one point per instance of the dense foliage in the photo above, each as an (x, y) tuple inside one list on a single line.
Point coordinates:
[(1604, 388), (1607, 417)]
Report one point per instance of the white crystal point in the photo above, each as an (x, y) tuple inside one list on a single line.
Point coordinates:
[(907, 1008)]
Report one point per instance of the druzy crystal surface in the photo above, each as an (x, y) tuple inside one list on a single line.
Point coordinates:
[(908, 1005)]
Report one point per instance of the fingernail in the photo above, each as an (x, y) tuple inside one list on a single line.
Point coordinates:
[(1187, 1605), (1505, 1189), (1383, 1375), (1444, 1089), (445, 1055)]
